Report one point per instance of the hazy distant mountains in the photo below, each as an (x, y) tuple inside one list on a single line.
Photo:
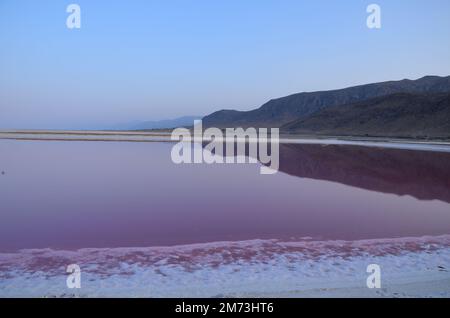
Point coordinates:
[(406, 108), (159, 124)]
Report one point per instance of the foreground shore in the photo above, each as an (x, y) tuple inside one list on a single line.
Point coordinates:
[(410, 267)]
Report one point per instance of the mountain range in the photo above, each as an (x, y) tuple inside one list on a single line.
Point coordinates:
[(406, 108)]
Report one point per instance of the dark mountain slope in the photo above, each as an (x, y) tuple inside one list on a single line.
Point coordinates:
[(396, 115), (281, 111)]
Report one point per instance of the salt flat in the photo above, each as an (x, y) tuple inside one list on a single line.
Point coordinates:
[(164, 136)]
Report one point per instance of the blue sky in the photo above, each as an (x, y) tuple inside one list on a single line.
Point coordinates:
[(150, 60)]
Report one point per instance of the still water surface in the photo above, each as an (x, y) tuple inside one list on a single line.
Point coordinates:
[(78, 194)]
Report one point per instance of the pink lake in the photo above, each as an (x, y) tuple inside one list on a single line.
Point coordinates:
[(72, 195)]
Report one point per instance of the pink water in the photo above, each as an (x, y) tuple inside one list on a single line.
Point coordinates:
[(72, 195)]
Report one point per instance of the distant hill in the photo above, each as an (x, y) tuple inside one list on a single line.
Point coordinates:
[(159, 124), (396, 115), (289, 112)]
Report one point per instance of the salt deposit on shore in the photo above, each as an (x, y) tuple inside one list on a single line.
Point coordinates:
[(410, 267), (163, 136)]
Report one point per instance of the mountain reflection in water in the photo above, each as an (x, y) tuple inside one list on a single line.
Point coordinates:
[(424, 175)]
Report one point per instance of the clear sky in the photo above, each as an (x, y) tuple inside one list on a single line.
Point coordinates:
[(159, 59)]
